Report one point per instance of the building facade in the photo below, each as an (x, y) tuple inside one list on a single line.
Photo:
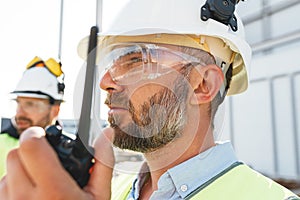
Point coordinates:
[(264, 122)]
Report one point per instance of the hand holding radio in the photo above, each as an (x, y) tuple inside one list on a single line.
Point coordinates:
[(37, 170)]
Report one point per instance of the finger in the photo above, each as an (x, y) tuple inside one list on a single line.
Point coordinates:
[(3, 188), (32, 132), (103, 147), (41, 161), (103, 168), (17, 174)]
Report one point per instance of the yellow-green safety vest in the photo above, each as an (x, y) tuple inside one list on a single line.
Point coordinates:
[(7, 143), (239, 182)]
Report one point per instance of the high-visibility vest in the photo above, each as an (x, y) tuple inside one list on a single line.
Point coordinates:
[(7, 143), (237, 183)]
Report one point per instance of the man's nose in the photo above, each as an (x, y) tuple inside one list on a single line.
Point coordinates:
[(108, 84), (20, 110)]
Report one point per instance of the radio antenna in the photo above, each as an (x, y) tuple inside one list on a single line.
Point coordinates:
[(99, 10), (60, 29), (84, 124)]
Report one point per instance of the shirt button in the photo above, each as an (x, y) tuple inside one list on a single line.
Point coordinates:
[(184, 188)]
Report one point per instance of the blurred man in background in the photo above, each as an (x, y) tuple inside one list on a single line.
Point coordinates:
[(38, 96)]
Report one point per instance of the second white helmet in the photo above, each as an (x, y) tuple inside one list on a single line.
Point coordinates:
[(42, 80)]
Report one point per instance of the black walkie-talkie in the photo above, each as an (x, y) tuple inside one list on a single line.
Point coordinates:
[(73, 155), (76, 155)]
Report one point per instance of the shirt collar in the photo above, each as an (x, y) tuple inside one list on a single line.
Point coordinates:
[(186, 177), (193, 173)]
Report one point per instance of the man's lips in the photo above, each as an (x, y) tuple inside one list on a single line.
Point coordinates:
[(22, 122), (117, 106), (115, 109)]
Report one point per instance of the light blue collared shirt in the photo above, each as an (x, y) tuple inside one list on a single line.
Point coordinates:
[(183, 179)]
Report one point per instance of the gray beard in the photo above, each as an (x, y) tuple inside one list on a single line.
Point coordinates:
[(162, 119)]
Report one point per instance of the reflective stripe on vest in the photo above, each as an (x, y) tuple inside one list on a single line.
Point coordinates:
[(7, 143), (239, 182)]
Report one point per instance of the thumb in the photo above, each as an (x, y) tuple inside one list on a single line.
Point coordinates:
[(32, 132)]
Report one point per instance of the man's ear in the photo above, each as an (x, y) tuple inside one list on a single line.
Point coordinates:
[(54, 111), (206, 82)]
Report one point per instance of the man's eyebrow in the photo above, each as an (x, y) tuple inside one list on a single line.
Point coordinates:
[(119, 57)]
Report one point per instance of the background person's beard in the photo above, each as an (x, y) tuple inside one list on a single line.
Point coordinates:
[(45, 121), (23, 119), (161, 119)]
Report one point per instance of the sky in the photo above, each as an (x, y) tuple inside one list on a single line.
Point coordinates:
[(31, 28)]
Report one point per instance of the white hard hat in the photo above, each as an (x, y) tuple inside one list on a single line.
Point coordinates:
[(38, 81), (177, 22)]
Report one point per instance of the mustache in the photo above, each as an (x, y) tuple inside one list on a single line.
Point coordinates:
[(22, 119), (117, 99)]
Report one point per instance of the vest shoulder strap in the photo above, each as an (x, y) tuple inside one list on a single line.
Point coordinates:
[(7, 143), (121, 186), (241, 182)]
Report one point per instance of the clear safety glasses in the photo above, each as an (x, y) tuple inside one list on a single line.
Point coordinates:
[(132, 62), (32, 106)]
